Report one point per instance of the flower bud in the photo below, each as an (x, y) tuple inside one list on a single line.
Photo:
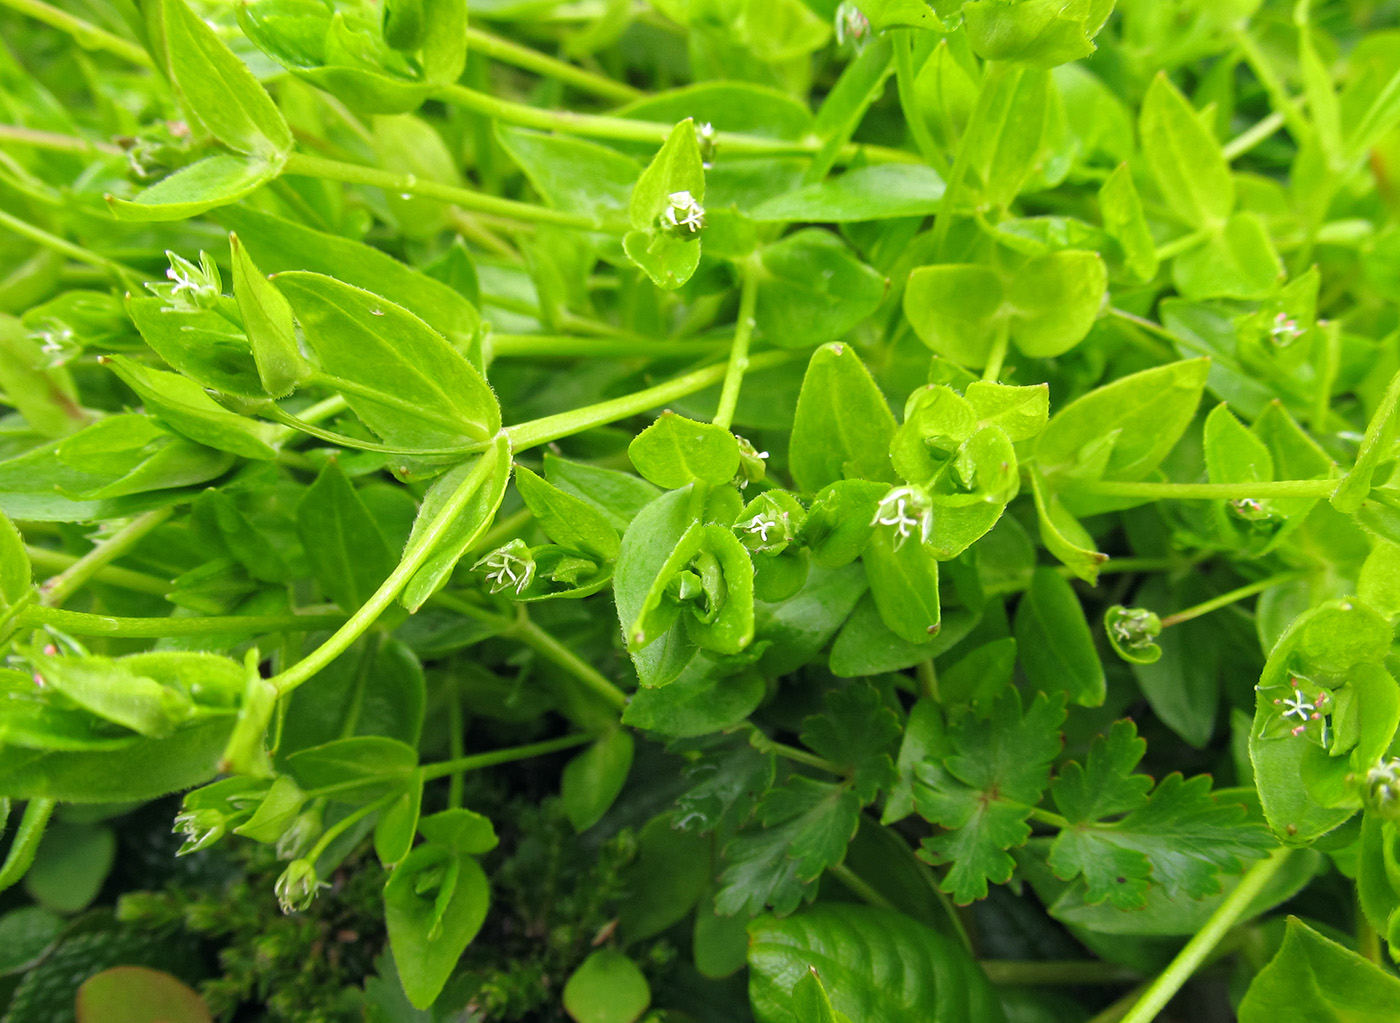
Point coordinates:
[(296, 888)]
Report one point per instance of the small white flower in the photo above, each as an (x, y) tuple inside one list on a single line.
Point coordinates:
[(1296, 705), (707, 140), (907, 511), (683, 216), (1284, 331), (851, 25), (509, 567), (760, 524)]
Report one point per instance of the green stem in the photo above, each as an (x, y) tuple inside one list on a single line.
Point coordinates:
[(761, 742), (26, 843), (1176, 246), (992, 74), (306, 165), (345, 824), (859, 886), (456, 744), (1189, 959), (83, 624), (477, 761), (1049, 972), (739, 350), (542, 431), (128, 276), (927, 675), (137, 582), (1261, 490), (414, 557), (84, 33), (624, 129), (1226, 599), (508, 52), (996, 358), (560, 656), (909, 101), (56, 589), (1251, 137), (556, 346), (1050, 818), (22, 136)]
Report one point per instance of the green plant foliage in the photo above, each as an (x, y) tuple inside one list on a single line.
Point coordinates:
[(603, 512)]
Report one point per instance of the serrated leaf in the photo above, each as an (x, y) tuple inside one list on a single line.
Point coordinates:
[(858, 732)]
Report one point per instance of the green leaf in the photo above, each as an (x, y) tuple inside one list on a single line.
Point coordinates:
[(843, 427), (1022, 412), (485, 478), (593, 780), (810, 1002), (857, 732), (43, 395), (212, 182), (1055, 643), (903, 580), (956, 310), (16, 573), (398, 824), (217, 89), (669, 876), (268, 320), (728, 778), (877, 964), (619, 496), (840, 521), (647, 548), (463, 831), (404, 380), (1005, 142), (1121, 209), (137, 994), (877, 192), (1184, 158), (347, 553), (434, 904), (1313, 977), (204, 344), (184, 406), (71, 865), (806, 826), (568, 521), (1238, 261), (700, 701), (1062, 533), (607, 987), (982, 790), (674, 451), (811, 290), (355, 770), (676, 174), (278, 245), (1042, 33), (573, 174), (1123, 430)]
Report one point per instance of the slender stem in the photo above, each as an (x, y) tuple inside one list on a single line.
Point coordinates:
[(85, 33), (761, 742), (137, 582), (1050, 818), (477, 761), (56, 589), (82, 624), (561, 656), (927, 675), (860, 886), (19, 135), (129, 276), (1251, 137), (1176, 246), (1212, 491), (542, 431), (307, 165), (287, 680), (26, 842), (346, 823), (996, 358), (456, 743), (623, 129), (1368, 942), (556, 346), (992, 74), (1226, 599), (508, 52), (909, 101), (1189, 959), (739, 350), (1045, 973)]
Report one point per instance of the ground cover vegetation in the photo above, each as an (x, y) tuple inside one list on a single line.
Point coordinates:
[(710, 510)]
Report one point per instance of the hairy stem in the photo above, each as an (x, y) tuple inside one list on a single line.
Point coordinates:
[(1226, 599), (477, 761), (84, 33), (508, 52), (1211, 491), (82, 624), (137, 582), (56, 589)]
